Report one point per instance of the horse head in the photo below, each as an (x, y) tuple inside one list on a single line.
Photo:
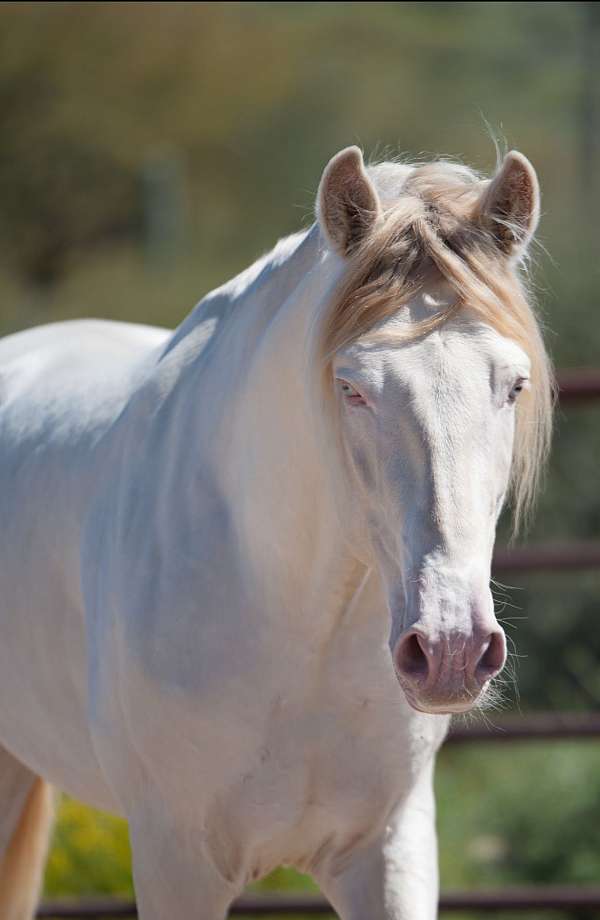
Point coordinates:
[(441, 395)]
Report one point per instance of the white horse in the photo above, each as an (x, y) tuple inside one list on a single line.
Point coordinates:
[(245, 565)]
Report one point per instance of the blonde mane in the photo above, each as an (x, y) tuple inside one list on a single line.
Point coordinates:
[(430, 227)]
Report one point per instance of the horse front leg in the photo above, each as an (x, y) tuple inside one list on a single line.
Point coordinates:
[(396, 877), (174, 874)]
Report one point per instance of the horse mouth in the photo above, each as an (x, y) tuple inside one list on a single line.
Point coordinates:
[(440, 704)]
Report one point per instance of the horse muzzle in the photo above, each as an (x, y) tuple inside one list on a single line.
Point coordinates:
[(448, 673)]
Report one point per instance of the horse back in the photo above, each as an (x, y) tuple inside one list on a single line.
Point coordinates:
[(61, 387)]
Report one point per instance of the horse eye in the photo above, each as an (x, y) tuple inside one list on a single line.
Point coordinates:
[(519, 386), (351, 395)]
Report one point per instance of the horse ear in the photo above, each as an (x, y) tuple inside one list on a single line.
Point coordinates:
[(347, 203), (510, 206)]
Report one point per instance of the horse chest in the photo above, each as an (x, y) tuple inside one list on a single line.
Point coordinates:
[(324, 777), (286, 758)]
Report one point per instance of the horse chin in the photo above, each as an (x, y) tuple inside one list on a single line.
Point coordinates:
[(438, 705)]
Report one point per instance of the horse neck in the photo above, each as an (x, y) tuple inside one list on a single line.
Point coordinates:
[(238, 427), (272, 464)]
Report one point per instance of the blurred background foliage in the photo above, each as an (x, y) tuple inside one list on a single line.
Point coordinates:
[(151, 150)]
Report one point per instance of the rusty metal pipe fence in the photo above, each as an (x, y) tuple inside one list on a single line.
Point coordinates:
[(575, 387), (563, 898)]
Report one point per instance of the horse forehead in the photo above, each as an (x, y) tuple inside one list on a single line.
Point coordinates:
[(461, 356), (459, 360), (441, 364)]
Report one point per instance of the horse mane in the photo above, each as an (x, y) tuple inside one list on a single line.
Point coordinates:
[(429, 228)]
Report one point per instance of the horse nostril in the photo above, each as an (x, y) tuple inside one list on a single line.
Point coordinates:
[(411, 658), (492, 660)]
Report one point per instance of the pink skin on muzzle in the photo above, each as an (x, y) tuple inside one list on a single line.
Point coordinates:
[(448, 673)]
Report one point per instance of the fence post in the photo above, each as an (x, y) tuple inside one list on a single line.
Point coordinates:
[(163, 207)]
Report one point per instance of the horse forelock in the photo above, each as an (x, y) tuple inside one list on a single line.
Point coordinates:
[(429, 229)]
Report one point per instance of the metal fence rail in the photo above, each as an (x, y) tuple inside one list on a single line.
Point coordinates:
[(555, 898), (575, 387), (578, 385), (552, 557), (539, 726)]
